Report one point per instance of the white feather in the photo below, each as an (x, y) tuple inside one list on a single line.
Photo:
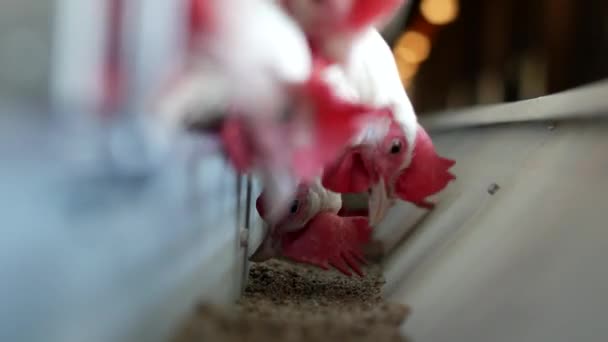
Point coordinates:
[(327, 200), (370, 75), (318, 199), (257, 51)]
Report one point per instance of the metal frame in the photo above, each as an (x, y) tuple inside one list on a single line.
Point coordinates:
[(586, 102), (515, 248)]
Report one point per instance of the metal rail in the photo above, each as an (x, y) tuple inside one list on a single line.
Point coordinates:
[(515, 248), (586, 102)]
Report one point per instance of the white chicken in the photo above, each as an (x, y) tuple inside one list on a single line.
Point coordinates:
[(391, 158), (313, 232), (333, 25), (248, 56), (245, 57)]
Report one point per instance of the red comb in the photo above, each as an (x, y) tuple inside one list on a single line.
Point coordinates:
[(329, 239), (336, 121), (349, 174), (352, 172), (427, 174), (365, 12)]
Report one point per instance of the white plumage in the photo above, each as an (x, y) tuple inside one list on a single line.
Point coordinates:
[(249, 61)]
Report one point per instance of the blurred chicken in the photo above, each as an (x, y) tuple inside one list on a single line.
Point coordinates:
[(333, 25), (241, 53), (319, 125), (244, 59), (312, 232), (394, 157), (281, 118)]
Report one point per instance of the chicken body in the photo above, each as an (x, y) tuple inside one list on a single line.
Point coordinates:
[(393, 157)]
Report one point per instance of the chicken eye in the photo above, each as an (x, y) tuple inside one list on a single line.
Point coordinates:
[(395, 147), (294, 207)]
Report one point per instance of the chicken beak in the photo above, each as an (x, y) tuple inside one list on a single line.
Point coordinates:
[(379, 203), (268, 249)]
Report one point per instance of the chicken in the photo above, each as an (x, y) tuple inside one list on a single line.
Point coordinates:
[(321, 123), (394, 157), (332, 25), (245, 59), (280, 118), (240, 53), (313, 232)]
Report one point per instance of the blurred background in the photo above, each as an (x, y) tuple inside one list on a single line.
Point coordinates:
[(26, 29), (458, 53), (451, 53)]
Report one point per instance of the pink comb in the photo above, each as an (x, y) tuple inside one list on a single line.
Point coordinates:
[(329, 239), (427, 174)]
